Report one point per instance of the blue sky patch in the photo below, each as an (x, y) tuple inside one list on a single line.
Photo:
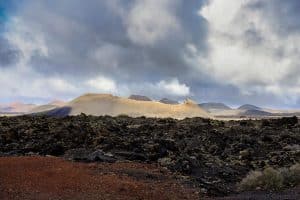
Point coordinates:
[(2, 14)]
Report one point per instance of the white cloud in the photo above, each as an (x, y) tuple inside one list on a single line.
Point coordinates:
[(107, 56), (102, 84), (28, 41), (173, 87), (23, 82), (61, 48), (246, 50), (255, 50), (151, 21), (59, 85)]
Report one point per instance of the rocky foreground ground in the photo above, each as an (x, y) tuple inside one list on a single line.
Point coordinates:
[(45, 178), (207, 158)]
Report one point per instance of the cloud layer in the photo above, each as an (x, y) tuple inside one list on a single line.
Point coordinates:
[(213, 50), (254, 47)]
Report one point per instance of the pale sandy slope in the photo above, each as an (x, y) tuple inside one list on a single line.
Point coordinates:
[(43, 108), (222, 112), (105, 104), (50, 106)]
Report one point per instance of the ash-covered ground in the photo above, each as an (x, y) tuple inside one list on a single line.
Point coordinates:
[(213, 156)]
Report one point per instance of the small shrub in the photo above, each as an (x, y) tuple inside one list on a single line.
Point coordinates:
[(291, 176), (271, 179), (251, 181)]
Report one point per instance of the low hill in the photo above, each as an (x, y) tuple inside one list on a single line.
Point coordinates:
[(213, 105), (139, 98), (16, 107), (168, 101), (249, 107), (50, 106), (253, 113), (58, 103), (106, 104), (43, 108)]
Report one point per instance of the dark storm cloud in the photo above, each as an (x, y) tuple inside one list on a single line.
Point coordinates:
[(283, 14), (78, 35), (138, 41), (9, 54)]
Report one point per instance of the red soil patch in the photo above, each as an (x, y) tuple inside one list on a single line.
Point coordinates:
[(53, 178)]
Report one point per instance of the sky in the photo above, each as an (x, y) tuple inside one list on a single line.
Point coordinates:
[(231, 51)]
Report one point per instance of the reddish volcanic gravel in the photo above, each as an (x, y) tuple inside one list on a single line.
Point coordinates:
[(54, 178)]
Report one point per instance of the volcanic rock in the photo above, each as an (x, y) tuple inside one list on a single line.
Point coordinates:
[(210, 154)]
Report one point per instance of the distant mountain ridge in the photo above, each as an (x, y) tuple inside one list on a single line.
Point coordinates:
[(168, 101), (139, 105), (47, 107), (256, 113), (214, 105), (106, 104), (139, 97), (249, 107), (16, 107)]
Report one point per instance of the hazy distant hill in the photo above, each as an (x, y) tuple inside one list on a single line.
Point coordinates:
[(213, 105), (139, 98), (249, 107), (106, 104), (256, 113), (16, 107), (50, 106), (57, 103), (43, 108), (168, 101)]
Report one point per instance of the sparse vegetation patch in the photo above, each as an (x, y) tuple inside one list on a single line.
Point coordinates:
[(271, 179)]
